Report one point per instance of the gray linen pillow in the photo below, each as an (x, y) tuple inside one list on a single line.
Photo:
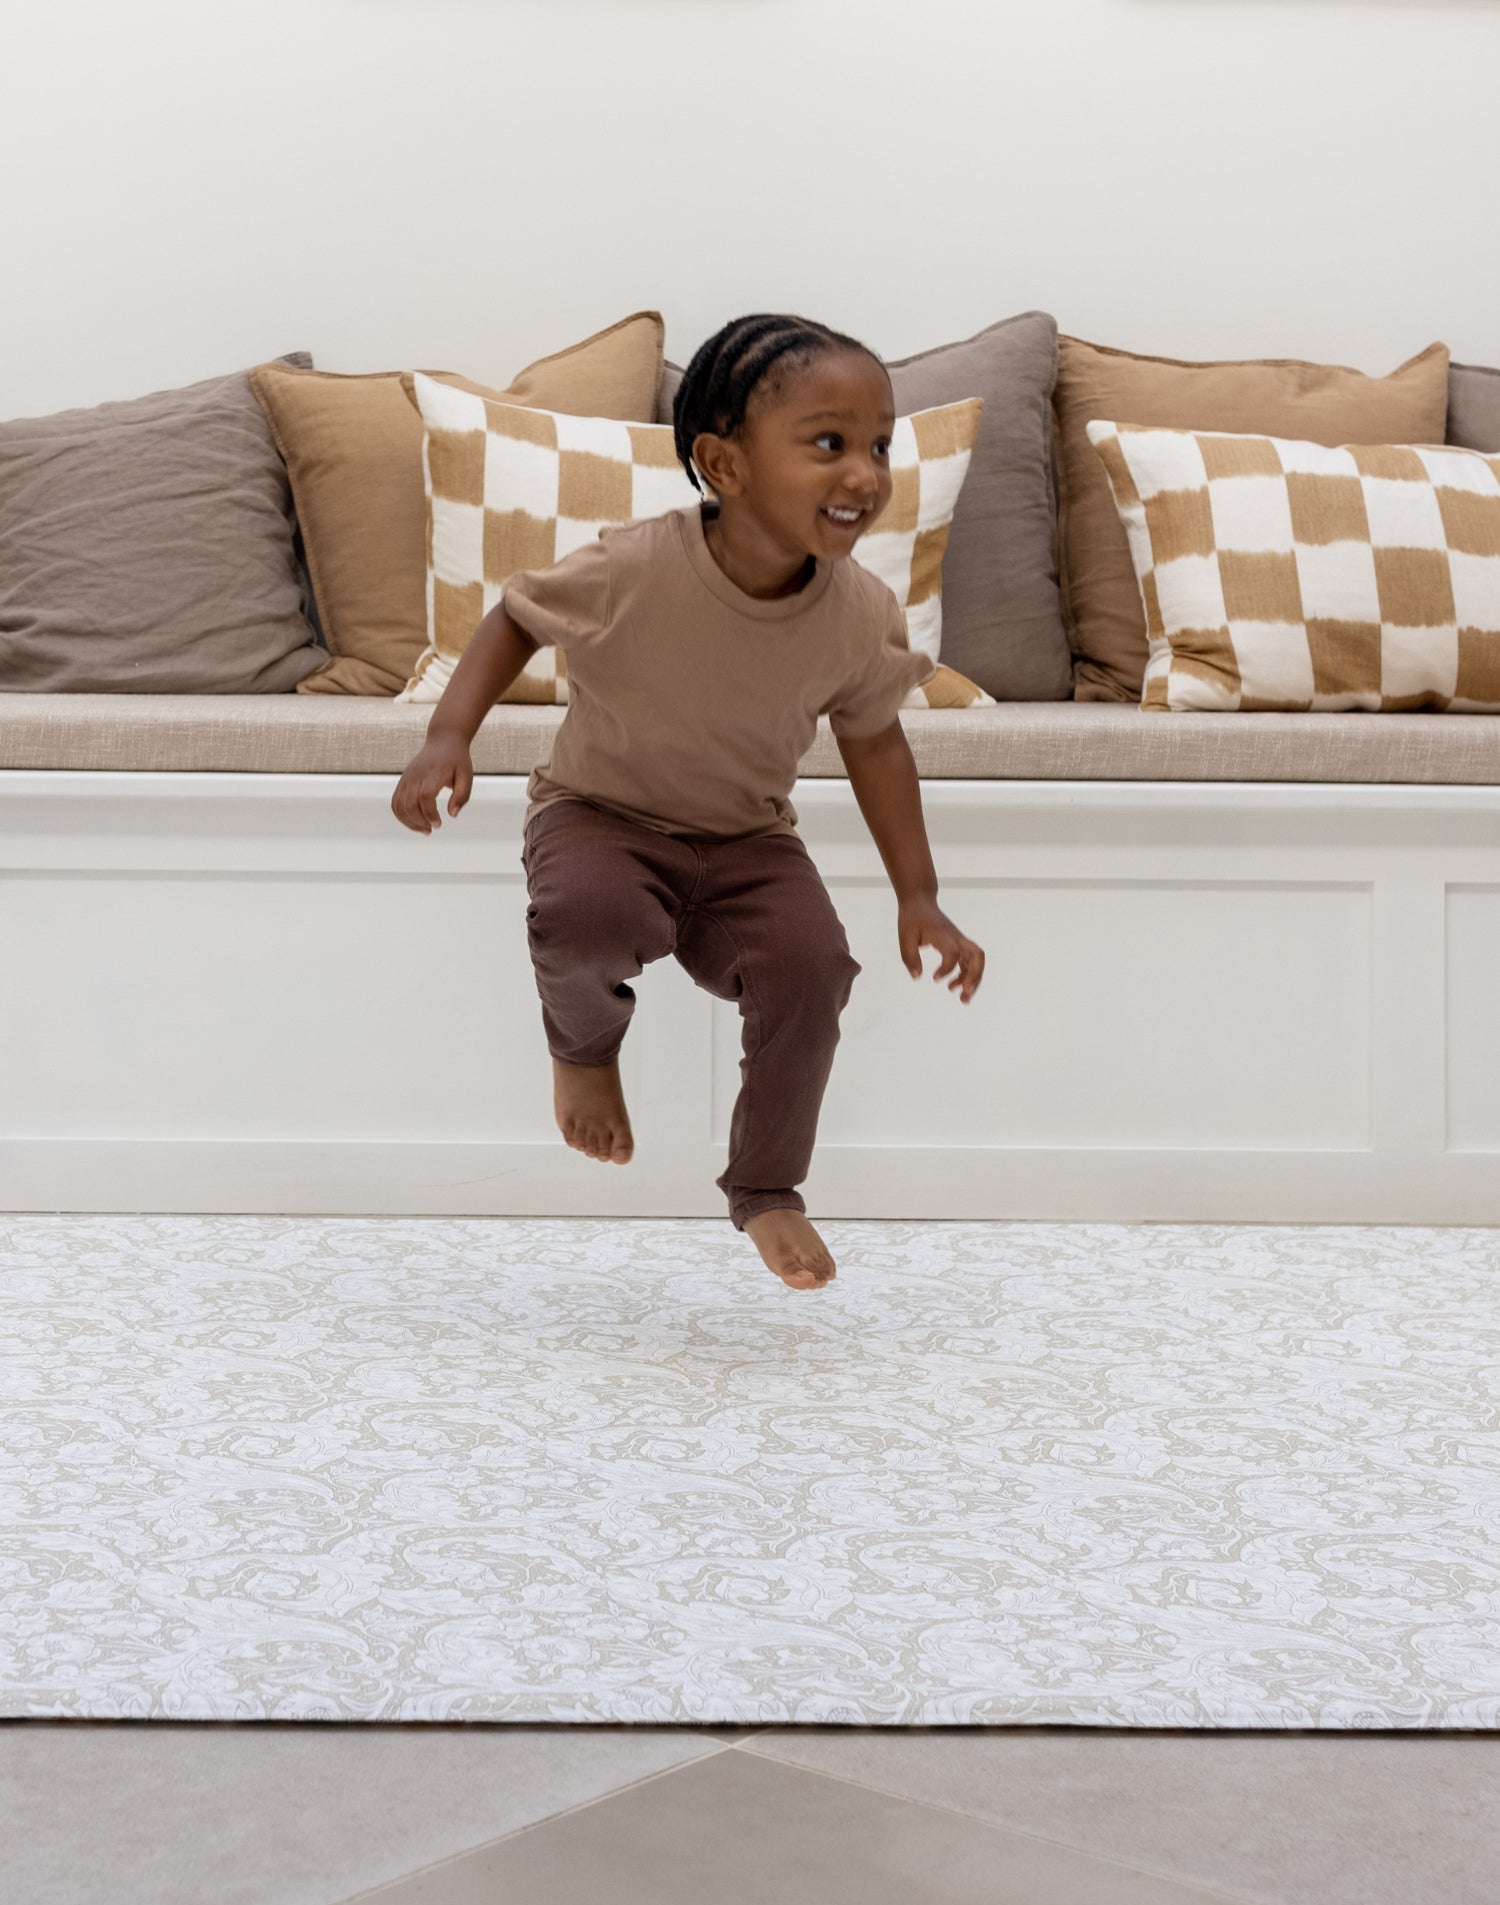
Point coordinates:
[(1474, 408), (147, 547), (1002, 617)]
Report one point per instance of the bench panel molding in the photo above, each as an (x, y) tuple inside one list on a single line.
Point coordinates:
[(1205, 1001)]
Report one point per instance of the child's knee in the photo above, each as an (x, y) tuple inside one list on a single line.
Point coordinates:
[(824, 972), (600, 929)]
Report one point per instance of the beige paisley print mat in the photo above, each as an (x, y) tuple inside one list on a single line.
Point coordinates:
[(611, 1470)]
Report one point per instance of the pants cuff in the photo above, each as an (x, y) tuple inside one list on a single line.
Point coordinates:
[(764, 1200)]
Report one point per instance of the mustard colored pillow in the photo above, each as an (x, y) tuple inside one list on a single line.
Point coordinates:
[(1281, 574), (352, 446), (1281, 397), (512, 488)]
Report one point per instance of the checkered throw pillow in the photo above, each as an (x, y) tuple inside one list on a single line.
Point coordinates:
[(1280, 574), (511, 489)]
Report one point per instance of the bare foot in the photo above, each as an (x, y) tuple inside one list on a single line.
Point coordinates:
[(591, 1112), (792, 1248)]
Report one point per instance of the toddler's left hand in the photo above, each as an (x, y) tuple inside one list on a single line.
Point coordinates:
[(921, 922)]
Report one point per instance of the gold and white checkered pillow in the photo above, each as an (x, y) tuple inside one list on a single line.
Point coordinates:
[(511, 489), (508, 489), (1280, 574), (904, 546)]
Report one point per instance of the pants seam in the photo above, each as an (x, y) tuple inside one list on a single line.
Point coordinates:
[(687, 905)]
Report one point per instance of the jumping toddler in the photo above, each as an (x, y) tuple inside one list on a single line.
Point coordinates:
[(702, 645)]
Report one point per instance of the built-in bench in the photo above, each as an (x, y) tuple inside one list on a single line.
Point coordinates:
[(1240, 967)]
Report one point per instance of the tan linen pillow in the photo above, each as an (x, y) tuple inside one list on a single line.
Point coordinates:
[(512, 488), (1280, 574), (353, 450), (1474, 407), (1283, 397)]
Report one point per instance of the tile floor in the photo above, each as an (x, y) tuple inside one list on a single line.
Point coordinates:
[(127, 1813)]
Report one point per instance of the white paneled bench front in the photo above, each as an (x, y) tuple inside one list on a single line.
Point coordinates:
[(1240, 968)]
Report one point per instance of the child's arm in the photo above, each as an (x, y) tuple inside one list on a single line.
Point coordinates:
[(884, 778), (497, 651)]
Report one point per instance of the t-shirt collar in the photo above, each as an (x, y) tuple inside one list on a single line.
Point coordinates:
[(779, 608)]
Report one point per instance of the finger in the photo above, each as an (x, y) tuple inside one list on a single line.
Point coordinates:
[(463, 786), (430, 803), (949, 958), (911, 954)]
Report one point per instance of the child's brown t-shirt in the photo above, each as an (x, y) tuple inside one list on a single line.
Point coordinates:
[(691, 703)]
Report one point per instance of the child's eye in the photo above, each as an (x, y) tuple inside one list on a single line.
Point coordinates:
[(883, 446)]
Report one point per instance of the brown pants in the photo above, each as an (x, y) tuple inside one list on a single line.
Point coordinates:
[(748, 920)]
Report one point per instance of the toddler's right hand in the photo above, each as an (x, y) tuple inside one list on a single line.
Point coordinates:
[(440, 764)]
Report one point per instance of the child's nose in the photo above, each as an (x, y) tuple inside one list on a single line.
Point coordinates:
[(865, 478)]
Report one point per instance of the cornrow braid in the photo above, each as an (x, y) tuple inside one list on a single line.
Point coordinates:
[(724, 373)]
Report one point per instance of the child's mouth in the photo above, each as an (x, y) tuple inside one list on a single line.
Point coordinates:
[(844, 519)]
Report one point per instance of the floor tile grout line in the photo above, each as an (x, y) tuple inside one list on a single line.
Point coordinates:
[(547, 1819), (1210, 1894), (1207, 1892)]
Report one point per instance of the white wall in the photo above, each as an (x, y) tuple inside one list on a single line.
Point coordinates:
[(186, 189)]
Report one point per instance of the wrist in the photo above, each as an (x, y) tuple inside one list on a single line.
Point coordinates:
[(450, 733)]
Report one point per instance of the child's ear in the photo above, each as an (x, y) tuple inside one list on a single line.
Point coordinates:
[(718, 463)]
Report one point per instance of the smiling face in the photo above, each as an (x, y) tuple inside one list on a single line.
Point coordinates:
[(810, 468)]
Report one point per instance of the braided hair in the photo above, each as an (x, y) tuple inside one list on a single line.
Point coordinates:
[(718, 383)]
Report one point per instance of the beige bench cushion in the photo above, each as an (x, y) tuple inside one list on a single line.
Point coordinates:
[(1017, 740)]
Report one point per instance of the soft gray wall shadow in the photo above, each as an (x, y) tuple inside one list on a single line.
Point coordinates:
[(1390, 6)]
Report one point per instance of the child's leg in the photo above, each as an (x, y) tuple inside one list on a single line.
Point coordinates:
[(604, 903), (762, 931)]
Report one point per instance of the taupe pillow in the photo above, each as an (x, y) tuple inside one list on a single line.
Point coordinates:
[(1279, 397), (1002, 621), (1474, 408), (146, 547)]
